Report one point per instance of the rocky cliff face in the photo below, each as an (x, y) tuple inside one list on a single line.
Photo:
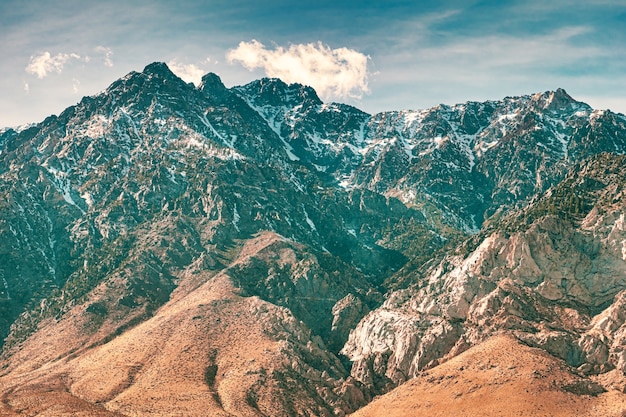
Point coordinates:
[(357, 249), (548, 273)]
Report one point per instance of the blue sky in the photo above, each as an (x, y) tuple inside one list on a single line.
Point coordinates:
[(375, 55)]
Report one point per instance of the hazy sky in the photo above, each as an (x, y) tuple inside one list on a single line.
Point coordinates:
[(377, 55)]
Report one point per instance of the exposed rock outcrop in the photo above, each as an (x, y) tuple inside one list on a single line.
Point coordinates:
[(547, 280)]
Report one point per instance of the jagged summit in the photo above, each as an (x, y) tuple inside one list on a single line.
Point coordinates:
[(212, 83), (273, 91), (558, 100), (158, 74), (158, 69)]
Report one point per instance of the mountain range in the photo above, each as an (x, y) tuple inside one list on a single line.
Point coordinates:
[(171, 249)]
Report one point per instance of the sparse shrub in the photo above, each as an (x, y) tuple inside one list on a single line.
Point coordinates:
[(98, 308), (209, 374)]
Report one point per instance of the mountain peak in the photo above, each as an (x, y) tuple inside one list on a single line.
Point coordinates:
[(211, 82), (556, 100), (159, 70), (561, 96), (276, 92)]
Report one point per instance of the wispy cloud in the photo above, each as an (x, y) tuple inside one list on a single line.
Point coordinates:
[(535, 7), (334, 73), (497, 51), (494, 58), (75, 85), (107, 52), (190, 73), (44, 64)]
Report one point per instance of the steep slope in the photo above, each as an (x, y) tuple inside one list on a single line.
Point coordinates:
[(499, 377), (109, 206), (209, 348), (462, 163), (544, 273), (81, 190), (329, 136)]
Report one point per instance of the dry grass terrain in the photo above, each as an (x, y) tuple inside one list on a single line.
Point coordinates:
[(208, 351), (159, 368), (499, 377)]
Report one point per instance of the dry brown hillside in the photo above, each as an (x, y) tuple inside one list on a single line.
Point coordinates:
[(499, 377), (209, 351)]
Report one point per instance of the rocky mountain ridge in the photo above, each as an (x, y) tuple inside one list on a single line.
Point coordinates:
[(544, 276), (365, 248)]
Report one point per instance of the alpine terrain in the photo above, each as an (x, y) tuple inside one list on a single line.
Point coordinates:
[(173, 250)]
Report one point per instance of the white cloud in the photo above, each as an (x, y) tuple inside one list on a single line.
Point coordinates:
[(187, 72), (107, 52), (26, 88), (44, 64), (334, 73), (75, 85)]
